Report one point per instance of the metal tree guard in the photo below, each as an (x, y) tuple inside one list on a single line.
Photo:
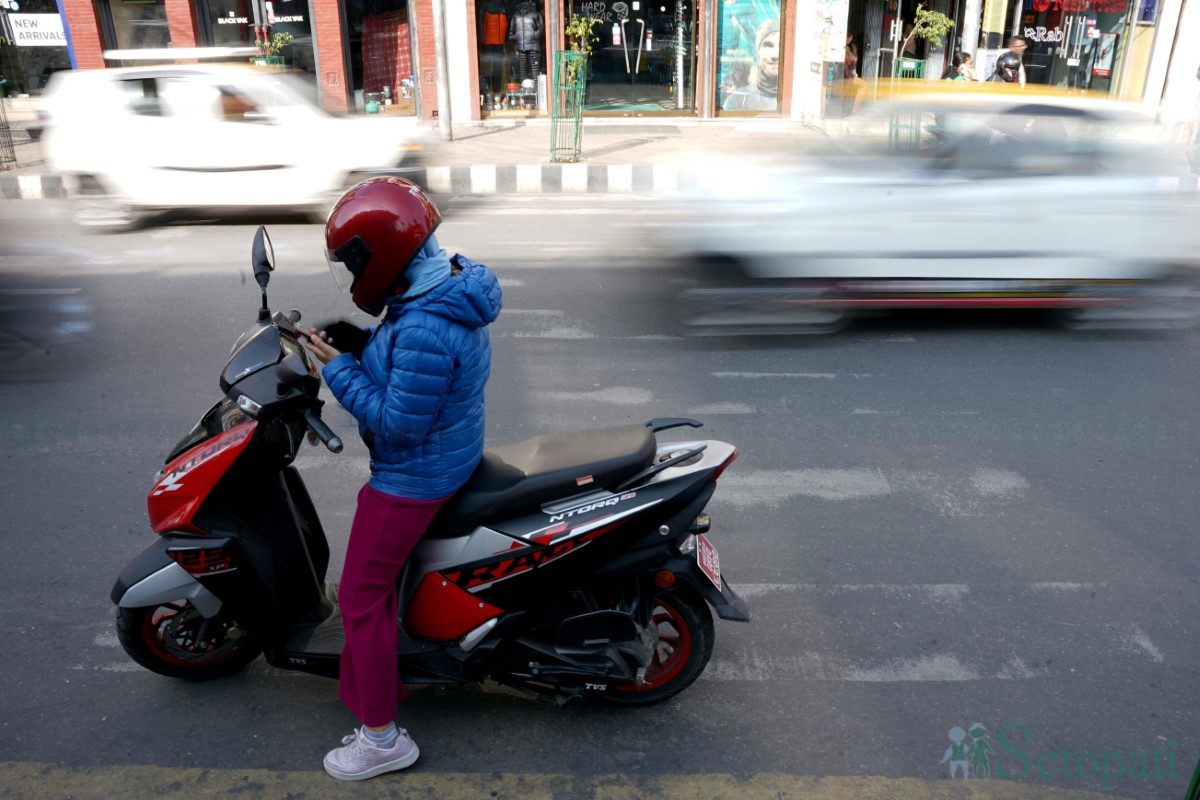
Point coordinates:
[(8, 153), (566, 105)]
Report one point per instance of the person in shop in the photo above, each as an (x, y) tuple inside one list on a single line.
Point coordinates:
[(1008, 69), (854, 87), (1017, 45), (962, 68), (762, 92)]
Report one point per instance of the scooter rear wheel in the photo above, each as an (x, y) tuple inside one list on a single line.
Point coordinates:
[(685, 644), (173, 639)]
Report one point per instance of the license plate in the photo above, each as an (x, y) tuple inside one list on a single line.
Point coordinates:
[(708, 560)]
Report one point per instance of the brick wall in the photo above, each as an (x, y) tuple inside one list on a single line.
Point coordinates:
[(327, 30), (181, 23), (85, 34)]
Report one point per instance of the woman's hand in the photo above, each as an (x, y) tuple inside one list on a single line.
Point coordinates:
[(319, 344)]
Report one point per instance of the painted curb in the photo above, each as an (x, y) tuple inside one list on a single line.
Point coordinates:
[(472, 180), (515, 179)]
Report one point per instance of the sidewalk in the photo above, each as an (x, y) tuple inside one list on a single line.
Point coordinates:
[(621, 154)]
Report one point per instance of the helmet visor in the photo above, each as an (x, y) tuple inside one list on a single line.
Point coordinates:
[(348, 262)]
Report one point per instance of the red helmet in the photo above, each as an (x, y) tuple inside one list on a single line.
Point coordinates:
[(372, 235)]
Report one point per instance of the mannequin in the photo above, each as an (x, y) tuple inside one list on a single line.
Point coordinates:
[(525, 31)]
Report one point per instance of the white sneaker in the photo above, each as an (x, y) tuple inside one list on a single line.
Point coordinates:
[(357, 759)]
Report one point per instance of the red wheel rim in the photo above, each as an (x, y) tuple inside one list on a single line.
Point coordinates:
[(672, 651), (155, 625)]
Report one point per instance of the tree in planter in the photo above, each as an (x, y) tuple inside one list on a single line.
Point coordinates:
[(275, 44), (931, 26), (580, 39)]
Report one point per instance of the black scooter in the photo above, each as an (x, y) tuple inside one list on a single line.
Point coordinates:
[(568, 564)]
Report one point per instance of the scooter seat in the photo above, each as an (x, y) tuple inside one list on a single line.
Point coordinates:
[(513, 479)]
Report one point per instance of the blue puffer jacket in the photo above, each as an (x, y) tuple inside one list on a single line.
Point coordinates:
[(419, 386)]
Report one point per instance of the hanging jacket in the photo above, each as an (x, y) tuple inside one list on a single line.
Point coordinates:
[(494, 28), (525, 27), (418, 392)]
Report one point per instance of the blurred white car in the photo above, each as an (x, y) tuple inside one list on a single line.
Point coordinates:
[(133, 141), (950, 200)]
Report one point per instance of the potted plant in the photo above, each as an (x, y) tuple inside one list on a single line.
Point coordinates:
[(272, 47)]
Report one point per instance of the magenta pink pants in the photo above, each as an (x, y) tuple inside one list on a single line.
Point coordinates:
[(385, 530)]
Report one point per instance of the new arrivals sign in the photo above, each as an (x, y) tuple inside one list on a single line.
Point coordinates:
[(37, 30)]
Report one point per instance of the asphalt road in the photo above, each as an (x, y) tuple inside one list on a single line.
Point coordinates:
[(938, 520)]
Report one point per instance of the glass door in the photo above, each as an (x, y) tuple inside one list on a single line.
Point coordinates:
[(644, 58)]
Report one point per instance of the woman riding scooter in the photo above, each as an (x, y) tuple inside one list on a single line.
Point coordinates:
[(416, 388)]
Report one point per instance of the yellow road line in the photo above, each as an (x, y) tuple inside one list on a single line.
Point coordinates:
[(33, 781)]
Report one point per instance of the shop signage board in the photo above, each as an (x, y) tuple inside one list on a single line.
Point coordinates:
[(37, 30), (1102, 66), (1043, 34)]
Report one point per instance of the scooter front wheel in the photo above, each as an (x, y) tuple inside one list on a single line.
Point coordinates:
[(173, 639)]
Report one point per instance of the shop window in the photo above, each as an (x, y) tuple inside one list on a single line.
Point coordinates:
[(749, 56), (29, 56), (231, 22), (139, 25), (512, 62), (381, 55), (644, 56)]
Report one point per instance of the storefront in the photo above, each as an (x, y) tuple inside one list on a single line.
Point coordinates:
[(1101, 46), (34, 45), (649, 57)]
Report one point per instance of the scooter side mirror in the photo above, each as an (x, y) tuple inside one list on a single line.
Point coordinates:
[(262, 256)]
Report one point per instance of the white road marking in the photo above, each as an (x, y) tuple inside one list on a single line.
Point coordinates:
[(998, 482), (552, 333), (1138, 638), (722, 408), (935, 593), (950, 496), (756, 666), (772, 487), (510, 283), (1060, 586), (1016, 668), (759, 375), (618, 395), (116, 666)]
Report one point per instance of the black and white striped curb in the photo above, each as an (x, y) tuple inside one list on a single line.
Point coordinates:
[(472, 180), (559, 179), (31, 187), (518, 179)]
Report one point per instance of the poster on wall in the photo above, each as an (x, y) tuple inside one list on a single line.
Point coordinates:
[(749, 55), (1105, 52), (1147, 12)]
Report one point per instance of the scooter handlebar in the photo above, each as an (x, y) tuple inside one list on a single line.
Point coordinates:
[(318, 426)]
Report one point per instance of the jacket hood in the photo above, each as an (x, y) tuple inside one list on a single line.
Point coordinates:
[(469, 297)]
